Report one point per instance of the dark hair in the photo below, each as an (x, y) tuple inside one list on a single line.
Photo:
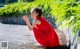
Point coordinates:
[(37, 10)]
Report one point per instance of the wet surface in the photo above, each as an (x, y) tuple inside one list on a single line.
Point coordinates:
[(16, 35)]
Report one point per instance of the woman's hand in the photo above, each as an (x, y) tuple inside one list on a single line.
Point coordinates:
[(25, 18), (27, 22)]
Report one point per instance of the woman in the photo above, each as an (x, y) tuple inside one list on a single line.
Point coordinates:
[(43, 31)]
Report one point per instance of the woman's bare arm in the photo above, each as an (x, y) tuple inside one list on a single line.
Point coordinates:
[(28, 22)]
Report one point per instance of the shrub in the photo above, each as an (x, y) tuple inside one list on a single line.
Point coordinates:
[(67, 13)]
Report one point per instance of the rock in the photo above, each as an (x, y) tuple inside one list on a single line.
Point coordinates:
[(19, 20)]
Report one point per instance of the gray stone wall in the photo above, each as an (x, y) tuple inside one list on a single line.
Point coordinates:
[(19, 20)]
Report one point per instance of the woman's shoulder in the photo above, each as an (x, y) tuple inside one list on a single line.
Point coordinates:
[(37, 22)]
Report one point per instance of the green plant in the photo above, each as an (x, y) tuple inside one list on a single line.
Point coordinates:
[(66, 12)]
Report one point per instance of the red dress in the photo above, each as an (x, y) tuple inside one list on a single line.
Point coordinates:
[(45, 34)]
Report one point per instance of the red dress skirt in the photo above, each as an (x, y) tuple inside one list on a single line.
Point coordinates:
[(45, 34)]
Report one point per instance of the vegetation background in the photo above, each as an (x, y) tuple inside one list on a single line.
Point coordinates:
[(66, 12)]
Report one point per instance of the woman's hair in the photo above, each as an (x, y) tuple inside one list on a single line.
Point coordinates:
[(37, 10)]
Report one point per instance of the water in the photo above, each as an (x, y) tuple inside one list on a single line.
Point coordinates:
[(16, 34)]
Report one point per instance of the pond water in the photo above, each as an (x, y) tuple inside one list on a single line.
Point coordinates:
[(16, 35)]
